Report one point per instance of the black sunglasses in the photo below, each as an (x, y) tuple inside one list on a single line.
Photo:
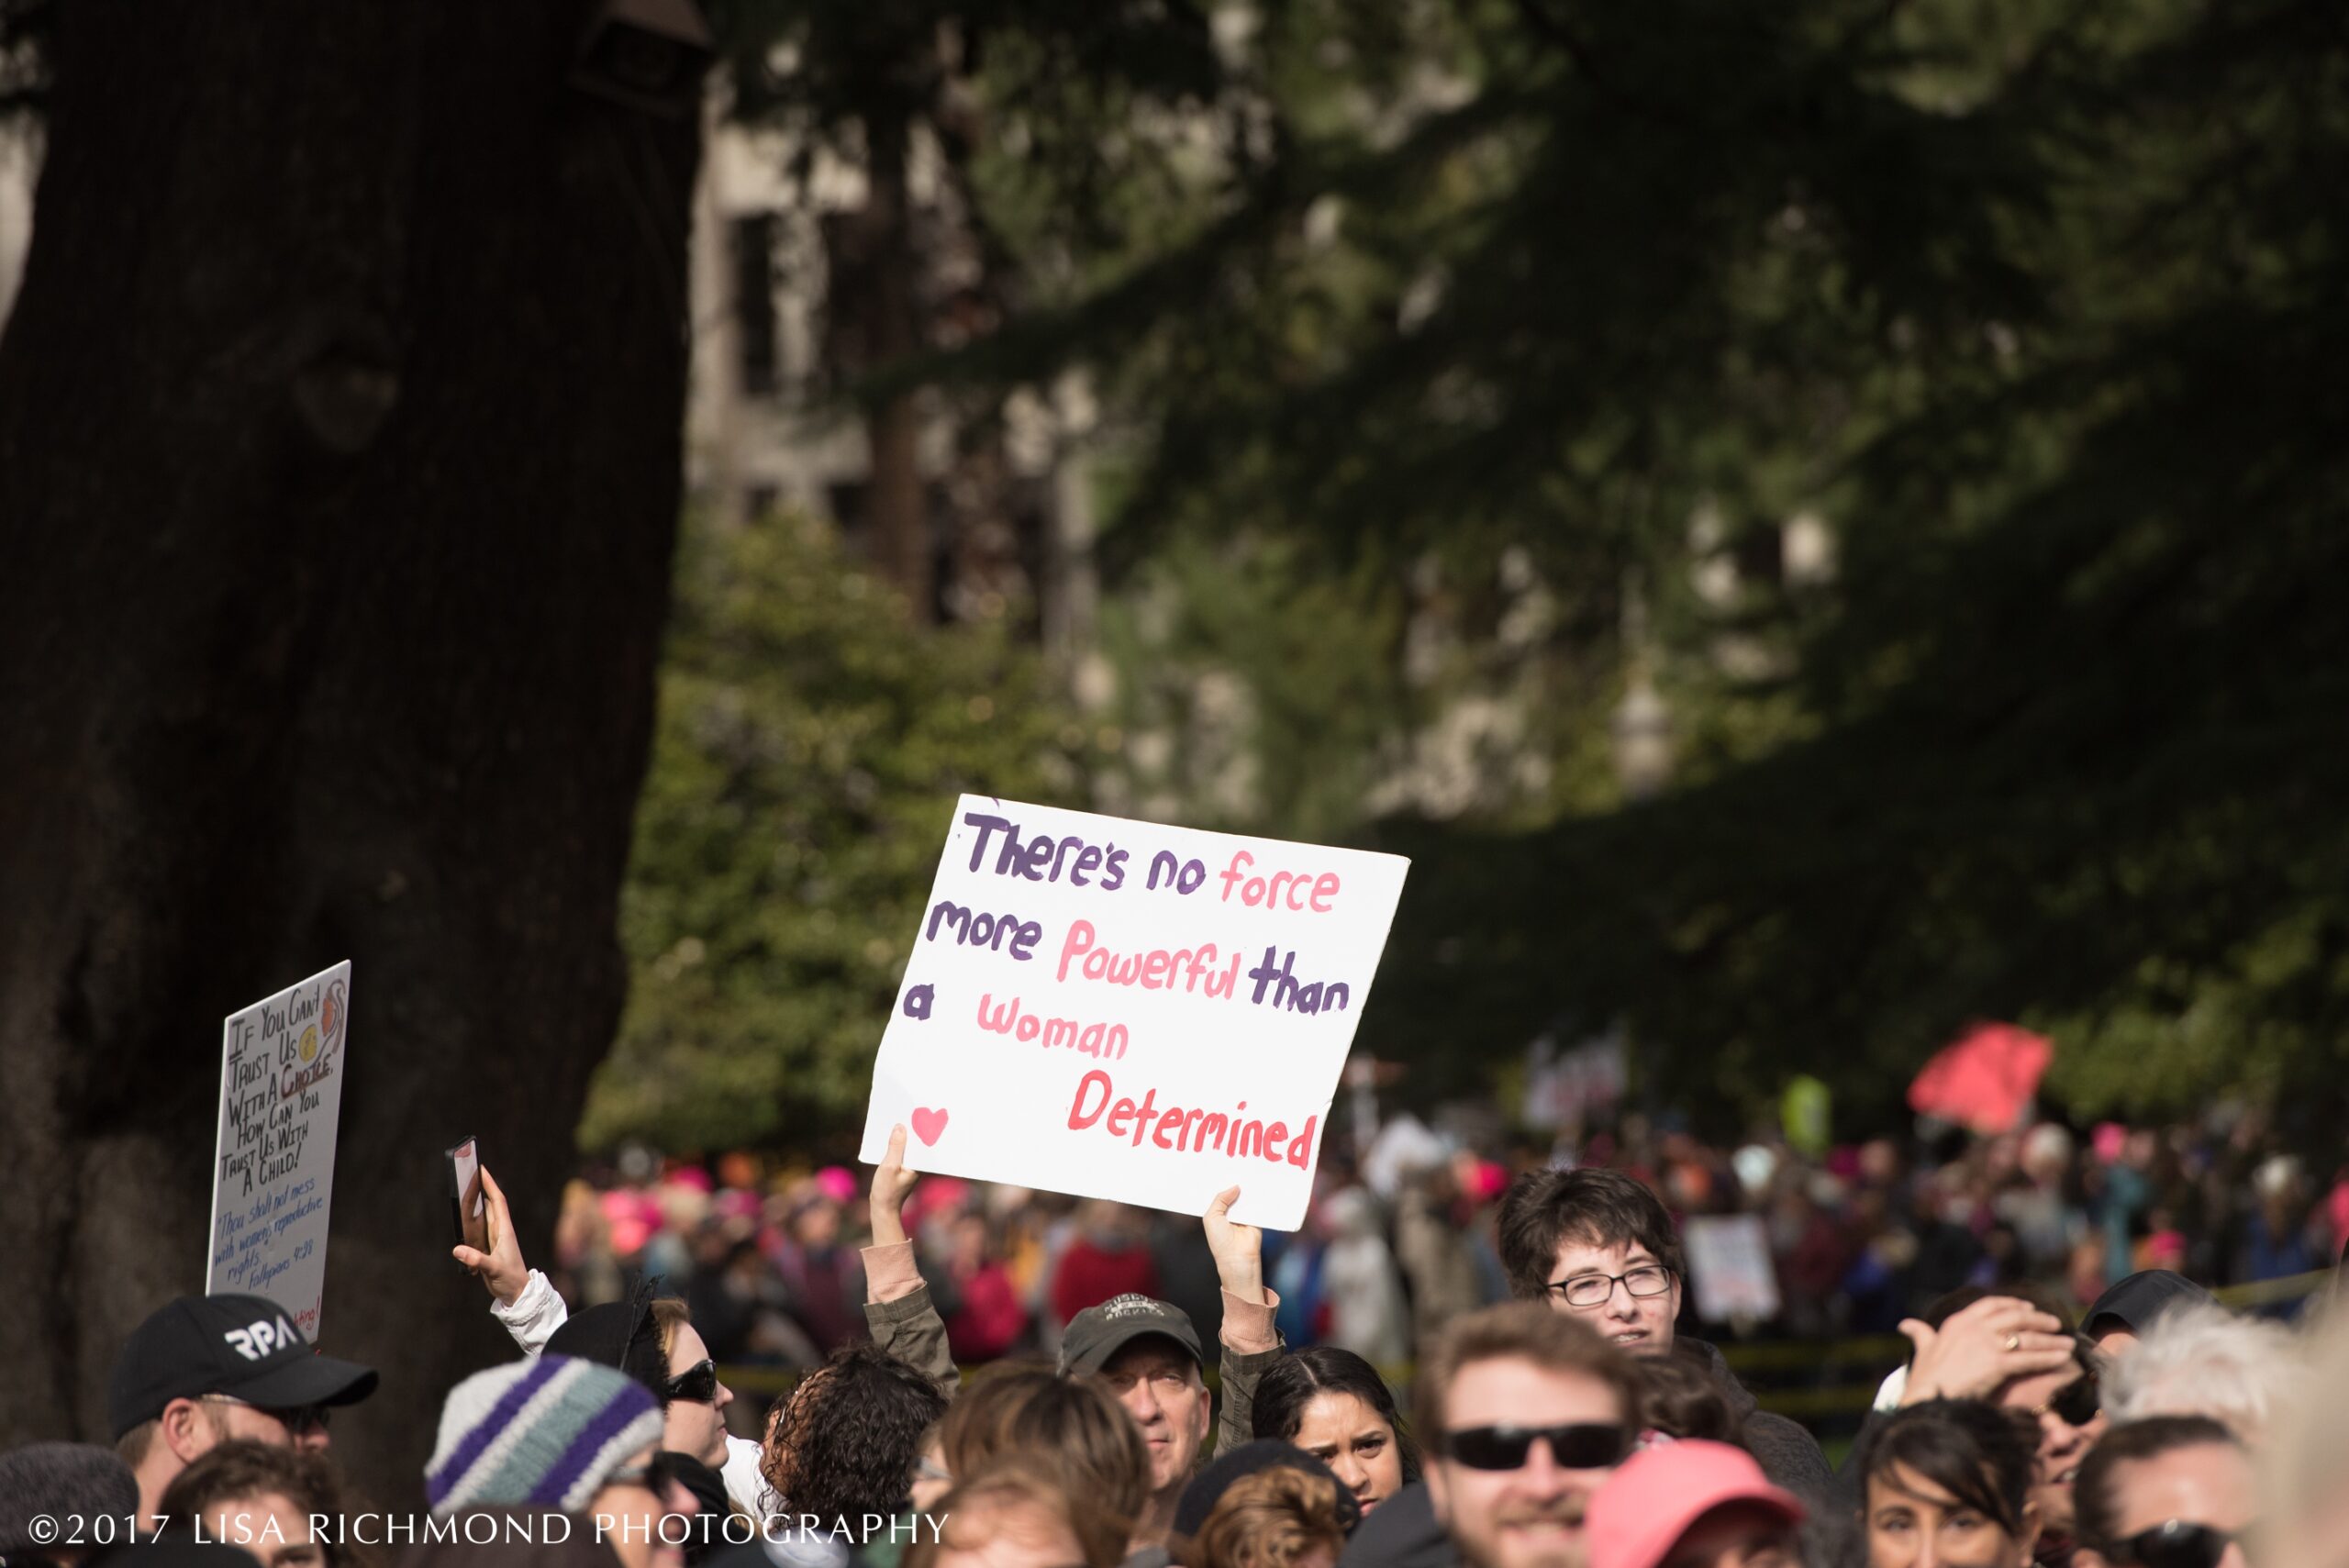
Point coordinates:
[(2177, 1544), (1582, 1445), (2077, 1403), (696, 1384)]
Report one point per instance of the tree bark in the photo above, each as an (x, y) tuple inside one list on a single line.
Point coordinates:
[(339, 464), (896, 501)]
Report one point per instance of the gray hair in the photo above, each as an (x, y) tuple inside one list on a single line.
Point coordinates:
[(2245, 1373)]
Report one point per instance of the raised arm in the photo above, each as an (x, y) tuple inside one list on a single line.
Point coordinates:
[(897, 1309), (520, 1298), (1251, 1342)]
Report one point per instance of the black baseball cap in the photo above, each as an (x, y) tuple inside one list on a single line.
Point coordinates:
[(243, 1346), (2137, 1301), (1099, 1332)]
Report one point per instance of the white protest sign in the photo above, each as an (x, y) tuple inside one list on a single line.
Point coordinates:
[(273, 1169), (1123, 1010), (1729, 1264)]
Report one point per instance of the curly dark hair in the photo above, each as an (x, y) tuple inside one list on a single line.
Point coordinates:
[(843, 1446), (1289, 1384)]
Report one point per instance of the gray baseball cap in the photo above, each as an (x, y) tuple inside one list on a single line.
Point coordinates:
[(1099, 1332)]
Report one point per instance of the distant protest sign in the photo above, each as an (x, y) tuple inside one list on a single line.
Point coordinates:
[(273, 1169), (1123, 1010), (1729, 1264)]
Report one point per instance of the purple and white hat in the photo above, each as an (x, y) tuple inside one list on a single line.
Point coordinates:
[(545, 1433)]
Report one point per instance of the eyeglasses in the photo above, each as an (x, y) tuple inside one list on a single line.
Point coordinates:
[(297, 1419), (696, 1384), (1592, 1290), (2178, 1543), (1576, 1446)]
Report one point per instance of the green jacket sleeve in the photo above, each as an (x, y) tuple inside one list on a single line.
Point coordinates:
[(1241, 1376), (910, 1329)]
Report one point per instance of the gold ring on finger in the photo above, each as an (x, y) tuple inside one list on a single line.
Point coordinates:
[(2014, 1341)]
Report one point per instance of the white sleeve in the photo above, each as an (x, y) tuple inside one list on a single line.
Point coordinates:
[(1889, 1393), (533, 1316), (744, 1483)]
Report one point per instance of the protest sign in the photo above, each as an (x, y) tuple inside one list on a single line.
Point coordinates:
[(273, 1168), (1730, 1267), (1123, 1010)]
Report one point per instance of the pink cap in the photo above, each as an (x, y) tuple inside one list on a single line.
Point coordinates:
[(1648, 1504)]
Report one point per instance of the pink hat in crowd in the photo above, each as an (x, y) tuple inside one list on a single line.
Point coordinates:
[(1648, 1504)]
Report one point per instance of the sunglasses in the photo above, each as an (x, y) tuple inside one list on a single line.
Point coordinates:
[(2177, 1544), (297, 1419), (697, 1384), (2077, 1403), (1576, 1446)]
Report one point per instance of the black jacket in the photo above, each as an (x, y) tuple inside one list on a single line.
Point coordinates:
[(1789, 1455)]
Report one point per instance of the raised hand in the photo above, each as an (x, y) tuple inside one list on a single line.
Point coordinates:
[(501, 1269), (1983, 1347), (886, 1198), (1239, 1249)]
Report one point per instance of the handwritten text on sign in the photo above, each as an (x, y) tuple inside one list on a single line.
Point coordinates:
[(1124, 1011), (273, 1169)]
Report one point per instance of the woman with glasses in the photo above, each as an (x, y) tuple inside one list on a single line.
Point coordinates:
[(1334, 1406), (1947, 1483), (2165, 1491)]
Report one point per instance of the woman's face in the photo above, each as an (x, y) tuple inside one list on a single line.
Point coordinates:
[(1913, 1523), (647, 1529), (1345, 1433)]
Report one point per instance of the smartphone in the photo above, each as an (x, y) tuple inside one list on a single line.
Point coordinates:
[(470, 1204)]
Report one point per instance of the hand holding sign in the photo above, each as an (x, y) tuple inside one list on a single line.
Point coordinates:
[(1239, 1250), (891, 1184), (1128, 1011)]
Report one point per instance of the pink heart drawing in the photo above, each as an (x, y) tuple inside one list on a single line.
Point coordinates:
[(929, 1124)]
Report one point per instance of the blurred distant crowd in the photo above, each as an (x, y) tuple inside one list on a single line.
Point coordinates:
[(1399, 1237)]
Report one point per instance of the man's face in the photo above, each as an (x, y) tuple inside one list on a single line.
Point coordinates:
[(1529, 1516), (2062, 1445), (1640, 1325), (270, 1527), (1158, 1382), (2209, 1484), (1737, 1535), (696, 1427)]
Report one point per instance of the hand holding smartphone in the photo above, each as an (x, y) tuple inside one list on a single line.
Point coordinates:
[(467, 1200)]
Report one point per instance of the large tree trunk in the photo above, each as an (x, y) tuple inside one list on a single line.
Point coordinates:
[(340, 423)]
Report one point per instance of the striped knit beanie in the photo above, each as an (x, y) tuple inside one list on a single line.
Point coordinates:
[(544, 1433)]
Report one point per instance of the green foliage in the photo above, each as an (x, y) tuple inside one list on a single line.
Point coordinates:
[(811, 744)]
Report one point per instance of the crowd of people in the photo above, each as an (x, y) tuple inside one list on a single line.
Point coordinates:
[(1401, 1236), (1577, 1424)]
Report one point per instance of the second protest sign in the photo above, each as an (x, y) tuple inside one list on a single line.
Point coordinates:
[(1124, 1011)]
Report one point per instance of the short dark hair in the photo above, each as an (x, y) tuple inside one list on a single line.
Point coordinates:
[(1289, 1384), (244, 1468), (1543, 1209), (1520, 1330), (1681, 1399), (2098, 1510), (843, 1445), (1985, 1457)]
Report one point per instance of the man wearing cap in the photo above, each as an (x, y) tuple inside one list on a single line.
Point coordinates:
[(1693, 1504), (205, 1369), (2123, 1313), (1147, 1349)]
